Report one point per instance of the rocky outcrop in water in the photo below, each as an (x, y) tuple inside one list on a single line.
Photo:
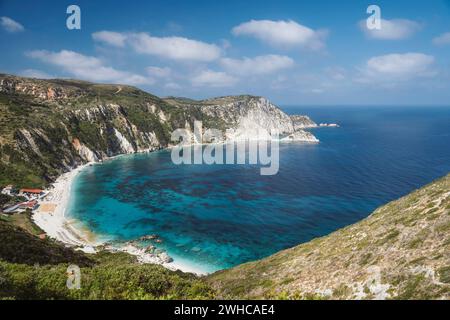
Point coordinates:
[(302, 122), (300, 136)]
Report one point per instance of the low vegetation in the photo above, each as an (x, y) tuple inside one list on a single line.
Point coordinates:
[(19, 246), (32, 268)]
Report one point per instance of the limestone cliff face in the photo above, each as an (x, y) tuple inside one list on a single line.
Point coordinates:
[(248, 117), (249, 113), (50, 126), (84, 152), (255, 118), (116, 132), (14, 85)]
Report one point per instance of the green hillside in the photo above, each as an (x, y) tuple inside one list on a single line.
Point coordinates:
[(43, 123), (31, 268)]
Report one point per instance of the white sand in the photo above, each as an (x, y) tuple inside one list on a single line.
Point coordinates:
[(55, 223), (58, 226)]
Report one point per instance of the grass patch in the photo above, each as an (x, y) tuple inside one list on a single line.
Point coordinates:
[(392, 235), (342, 291), (444, 274)]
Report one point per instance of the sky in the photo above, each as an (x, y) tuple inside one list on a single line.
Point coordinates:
[(293, 52)]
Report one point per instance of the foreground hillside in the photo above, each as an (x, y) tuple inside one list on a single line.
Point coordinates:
[(401, 251), (31, 268)]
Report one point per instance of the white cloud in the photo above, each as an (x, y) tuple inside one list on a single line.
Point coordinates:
[(400, 64), (393, 68), (282, 33), (209, 78), (115, 39), (395, 29), (87, 67), (33, 73), (257, 66), (175, 48), (159, 72), (443, 39), (10, 25)]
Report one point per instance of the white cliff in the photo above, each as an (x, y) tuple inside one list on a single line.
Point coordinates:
[(125, 145), (250, 118), (302, 122), (85, 153)]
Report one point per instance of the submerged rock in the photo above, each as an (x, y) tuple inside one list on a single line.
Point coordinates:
[(149, 249), (149, 237), (165, 258)]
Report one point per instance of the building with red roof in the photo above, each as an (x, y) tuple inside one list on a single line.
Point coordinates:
[(32, 191)]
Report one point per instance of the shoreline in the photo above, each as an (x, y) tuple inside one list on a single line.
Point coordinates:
[(54, 220), (70, 231), (66, 230)]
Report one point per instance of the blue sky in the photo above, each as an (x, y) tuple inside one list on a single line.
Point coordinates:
[(293, 52)]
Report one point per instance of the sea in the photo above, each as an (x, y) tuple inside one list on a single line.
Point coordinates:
[(213, 217)]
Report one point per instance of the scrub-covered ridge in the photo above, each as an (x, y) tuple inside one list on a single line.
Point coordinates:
[(48, 127)]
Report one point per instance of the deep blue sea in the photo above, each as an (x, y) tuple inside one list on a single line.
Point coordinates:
[(218, 216)]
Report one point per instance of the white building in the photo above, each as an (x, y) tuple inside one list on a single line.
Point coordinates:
[(8, 190)]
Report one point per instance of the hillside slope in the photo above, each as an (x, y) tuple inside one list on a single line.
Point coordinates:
[(31, 268), (48, 127), (401, 251), (18, 246)]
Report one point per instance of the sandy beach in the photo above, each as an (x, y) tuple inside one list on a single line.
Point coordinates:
[(51, 214), (51, 217)]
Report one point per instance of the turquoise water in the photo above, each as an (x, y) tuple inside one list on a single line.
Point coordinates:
[(218, 216)]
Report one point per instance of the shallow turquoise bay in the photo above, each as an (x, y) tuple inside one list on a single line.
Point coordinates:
[(218, 216)]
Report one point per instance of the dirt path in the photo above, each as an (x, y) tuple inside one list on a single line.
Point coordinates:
[(119, 88)]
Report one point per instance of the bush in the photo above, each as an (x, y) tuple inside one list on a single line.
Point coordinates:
[(31, 268)]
